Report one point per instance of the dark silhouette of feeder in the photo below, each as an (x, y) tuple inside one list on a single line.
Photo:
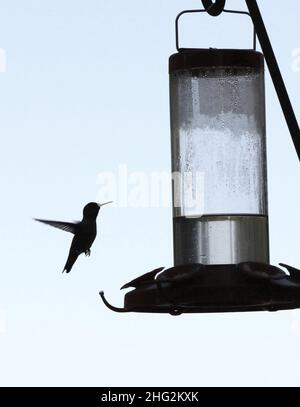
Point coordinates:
[(220, 200)]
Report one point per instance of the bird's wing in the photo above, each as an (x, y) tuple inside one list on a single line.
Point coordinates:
[(66, 226)]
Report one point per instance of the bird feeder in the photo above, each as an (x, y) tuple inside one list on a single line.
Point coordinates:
[(220, 198), (219, 151)]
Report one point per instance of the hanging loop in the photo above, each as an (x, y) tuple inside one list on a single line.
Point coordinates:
[(214, 8), (203, 11)]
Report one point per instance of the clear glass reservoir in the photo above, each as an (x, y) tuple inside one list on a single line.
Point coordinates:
[(218, 139)]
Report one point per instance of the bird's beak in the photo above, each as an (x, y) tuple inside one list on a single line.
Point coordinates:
[(105, 203)]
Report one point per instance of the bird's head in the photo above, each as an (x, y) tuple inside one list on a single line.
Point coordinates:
[(91, 210)]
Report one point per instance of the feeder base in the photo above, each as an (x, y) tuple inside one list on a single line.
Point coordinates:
[(198, 288)]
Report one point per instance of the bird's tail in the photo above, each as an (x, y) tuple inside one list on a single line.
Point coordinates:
[(70, 261)]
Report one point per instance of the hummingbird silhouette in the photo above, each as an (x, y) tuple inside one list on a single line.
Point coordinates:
[(84, 232)]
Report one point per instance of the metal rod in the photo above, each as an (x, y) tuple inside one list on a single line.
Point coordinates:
[(275, 73)]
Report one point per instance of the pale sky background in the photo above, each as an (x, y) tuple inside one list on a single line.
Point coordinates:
[(86, 89)]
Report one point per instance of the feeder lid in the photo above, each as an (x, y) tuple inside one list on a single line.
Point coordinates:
[(191, 58)]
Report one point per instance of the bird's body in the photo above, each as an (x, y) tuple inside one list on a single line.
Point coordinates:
[(84, 232), (82, 241)]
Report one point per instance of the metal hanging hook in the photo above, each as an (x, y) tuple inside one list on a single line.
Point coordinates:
[(214, 8)]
